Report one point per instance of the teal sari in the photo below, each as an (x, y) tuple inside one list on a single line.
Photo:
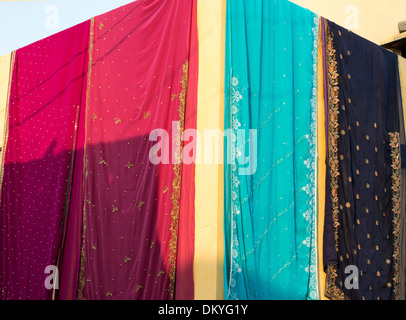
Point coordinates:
[(270, 151)]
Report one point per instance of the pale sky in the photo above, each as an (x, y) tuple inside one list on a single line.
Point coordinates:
[(24, 22)]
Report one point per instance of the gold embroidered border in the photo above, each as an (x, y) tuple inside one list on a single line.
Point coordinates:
[(332, 290), (396, 169), (176, 183), (81, 281), (333, 112), (6, 118)]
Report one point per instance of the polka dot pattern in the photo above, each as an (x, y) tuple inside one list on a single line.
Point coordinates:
[(46, 95)]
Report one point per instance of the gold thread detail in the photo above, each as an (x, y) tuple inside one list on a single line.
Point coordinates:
[(176, 183), (396, 168), (333, 112), (81, 282), (332, 291)]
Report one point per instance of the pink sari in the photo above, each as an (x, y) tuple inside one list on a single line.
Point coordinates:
[(46, 94), (143, 66)]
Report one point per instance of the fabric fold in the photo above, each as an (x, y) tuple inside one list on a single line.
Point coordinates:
[(45, 100), (270, 170), (364, 194), (137, 213)]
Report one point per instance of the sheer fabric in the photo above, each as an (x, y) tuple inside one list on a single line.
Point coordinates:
[(270, 209), (364, 213), (45, 99), (402, 265), (71, 244), (142, 69)]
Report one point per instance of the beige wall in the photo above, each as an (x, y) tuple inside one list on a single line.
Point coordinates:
[(375, 20), (208, 260)]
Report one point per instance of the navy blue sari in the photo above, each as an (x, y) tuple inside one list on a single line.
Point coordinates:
[(363, 225)]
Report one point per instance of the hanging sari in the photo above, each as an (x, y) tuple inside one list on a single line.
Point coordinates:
[(363, 199), (402, 237), (45, 99), (71, 244), (142, 71), (270, 209)]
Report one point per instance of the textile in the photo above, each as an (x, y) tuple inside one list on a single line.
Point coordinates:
[(270, 209), (45, 99), (142, 71), (364, 194)]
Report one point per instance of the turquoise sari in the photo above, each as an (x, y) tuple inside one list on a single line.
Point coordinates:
[(270, 151)]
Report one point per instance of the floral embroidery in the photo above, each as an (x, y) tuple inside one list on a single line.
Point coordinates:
[(396, 203), (146, 115), (81, 276), (236, 97), (140, 204), (332, 291), (235, 277), (176, 183)]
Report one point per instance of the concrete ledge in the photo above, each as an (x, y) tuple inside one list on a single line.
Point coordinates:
[(402, 26)]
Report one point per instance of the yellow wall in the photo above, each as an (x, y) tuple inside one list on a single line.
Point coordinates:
[(4, 82), (377, 19), (208, 261), (321, 169)]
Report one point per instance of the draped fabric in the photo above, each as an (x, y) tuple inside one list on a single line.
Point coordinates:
[(364, 191), (402, 236), (45, 99), (142, 70), (72, 234), (184, 285), (270, 209)]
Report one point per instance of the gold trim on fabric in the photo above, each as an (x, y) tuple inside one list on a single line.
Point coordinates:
[(332, 291), (6, 118), (81, 283), (333, 112), (176, 183), (396, 169)]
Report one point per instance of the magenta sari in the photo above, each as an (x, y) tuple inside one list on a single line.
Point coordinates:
[(46, 94), (142, 69)]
